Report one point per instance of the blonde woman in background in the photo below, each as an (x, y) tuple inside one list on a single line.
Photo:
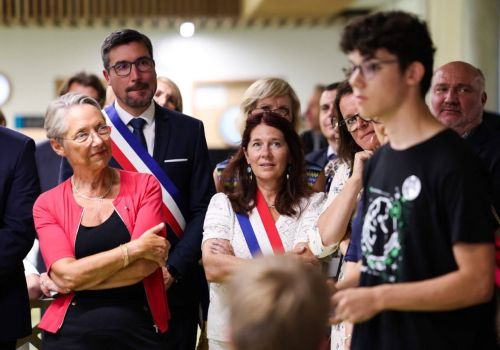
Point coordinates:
[(275, 95), (168, 94)]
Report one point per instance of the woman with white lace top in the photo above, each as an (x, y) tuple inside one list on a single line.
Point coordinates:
[(357, 142), (268, 211)]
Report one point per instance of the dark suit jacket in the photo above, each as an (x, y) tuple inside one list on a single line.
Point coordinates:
[(178, 136), (485, 139), (19, 188), (308, 137), (318, 157), (48, 164)]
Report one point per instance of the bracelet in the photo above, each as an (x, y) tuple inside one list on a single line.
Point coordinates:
[(124, 254)]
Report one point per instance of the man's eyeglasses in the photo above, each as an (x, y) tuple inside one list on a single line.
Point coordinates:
[(282, 111), (102, 131), (367, 69), (143, 64), (352, 123)]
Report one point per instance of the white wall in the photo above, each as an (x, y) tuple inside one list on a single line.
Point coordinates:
[(34, 57)]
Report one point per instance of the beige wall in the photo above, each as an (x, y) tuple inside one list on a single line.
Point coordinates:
[(34, 57), (466, 30)]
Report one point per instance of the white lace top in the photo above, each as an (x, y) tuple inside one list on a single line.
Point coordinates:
[(342, 172), (221, 222)]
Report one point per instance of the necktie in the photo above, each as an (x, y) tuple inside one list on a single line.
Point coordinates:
[(138, 124), (329, 172)]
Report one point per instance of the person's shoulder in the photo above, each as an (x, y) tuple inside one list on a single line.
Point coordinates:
[(450, 143), (53, 196), (312, 166), (134, 177), (450, 154), (178, 119), (220, 203), (306, 134), (220, 197), (487, 132), (45, 144), (12, 137), (222, 165), (491, 120), (315, 156)]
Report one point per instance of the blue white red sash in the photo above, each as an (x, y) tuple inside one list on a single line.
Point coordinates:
[(260, 231), (132, 156)]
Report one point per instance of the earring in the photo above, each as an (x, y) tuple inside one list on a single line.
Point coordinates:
[(249, 172), (288, 171)]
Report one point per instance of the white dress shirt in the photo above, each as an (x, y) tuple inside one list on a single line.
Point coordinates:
[(149, 128)]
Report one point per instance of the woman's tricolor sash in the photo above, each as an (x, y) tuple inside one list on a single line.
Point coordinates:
[(132, 156), (260, 231)]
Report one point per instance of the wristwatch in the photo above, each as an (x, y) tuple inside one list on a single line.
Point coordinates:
[(174, 273)]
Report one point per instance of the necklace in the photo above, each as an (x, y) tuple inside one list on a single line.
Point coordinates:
[(271, 206), (97, 198)]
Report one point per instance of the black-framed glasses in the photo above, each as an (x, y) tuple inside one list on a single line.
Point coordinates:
[(352, 123), (102, 131), (367, 69), (143, 64), (282, 111)]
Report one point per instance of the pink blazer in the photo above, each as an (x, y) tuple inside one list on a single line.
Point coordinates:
[(57, 219)]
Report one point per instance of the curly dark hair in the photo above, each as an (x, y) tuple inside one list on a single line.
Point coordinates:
[(347, 146), (241, 189), (400, 33)]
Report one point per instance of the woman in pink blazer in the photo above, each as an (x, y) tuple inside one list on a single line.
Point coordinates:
[(102, 237)]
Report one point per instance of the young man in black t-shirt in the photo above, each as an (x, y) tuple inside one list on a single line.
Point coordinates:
[(427, 231)]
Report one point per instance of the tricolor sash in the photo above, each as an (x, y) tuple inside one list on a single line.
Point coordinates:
[(132, 156), (259, 230)]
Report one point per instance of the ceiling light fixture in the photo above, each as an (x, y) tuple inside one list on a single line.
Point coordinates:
[(187, 29)]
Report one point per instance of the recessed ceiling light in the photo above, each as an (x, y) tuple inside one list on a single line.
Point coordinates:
[(187, 29)]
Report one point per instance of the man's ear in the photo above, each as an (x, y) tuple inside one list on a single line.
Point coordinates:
[(106, 75), (414, 73), (484, 97), (57, 147)]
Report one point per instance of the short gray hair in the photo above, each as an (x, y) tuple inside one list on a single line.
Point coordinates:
[(55, 124)]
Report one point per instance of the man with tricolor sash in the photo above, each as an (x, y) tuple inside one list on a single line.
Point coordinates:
[(171, 146)]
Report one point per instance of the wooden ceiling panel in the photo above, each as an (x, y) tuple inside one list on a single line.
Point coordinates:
[(308, 9), (205, 12)]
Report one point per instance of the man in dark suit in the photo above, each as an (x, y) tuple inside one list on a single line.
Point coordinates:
[(326, 155), (19, 188), (457, 99), (313, 139), (177, 144)]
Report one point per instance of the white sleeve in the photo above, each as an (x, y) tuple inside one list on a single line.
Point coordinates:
[(29, 269), (310, 228), (219, 219)]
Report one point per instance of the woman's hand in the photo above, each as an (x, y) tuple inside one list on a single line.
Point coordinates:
[(302, 251), (49, 287), (360, 159), (221, 246), (151, 246)]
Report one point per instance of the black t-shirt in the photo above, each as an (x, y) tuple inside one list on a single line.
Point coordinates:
[(417, 203)]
